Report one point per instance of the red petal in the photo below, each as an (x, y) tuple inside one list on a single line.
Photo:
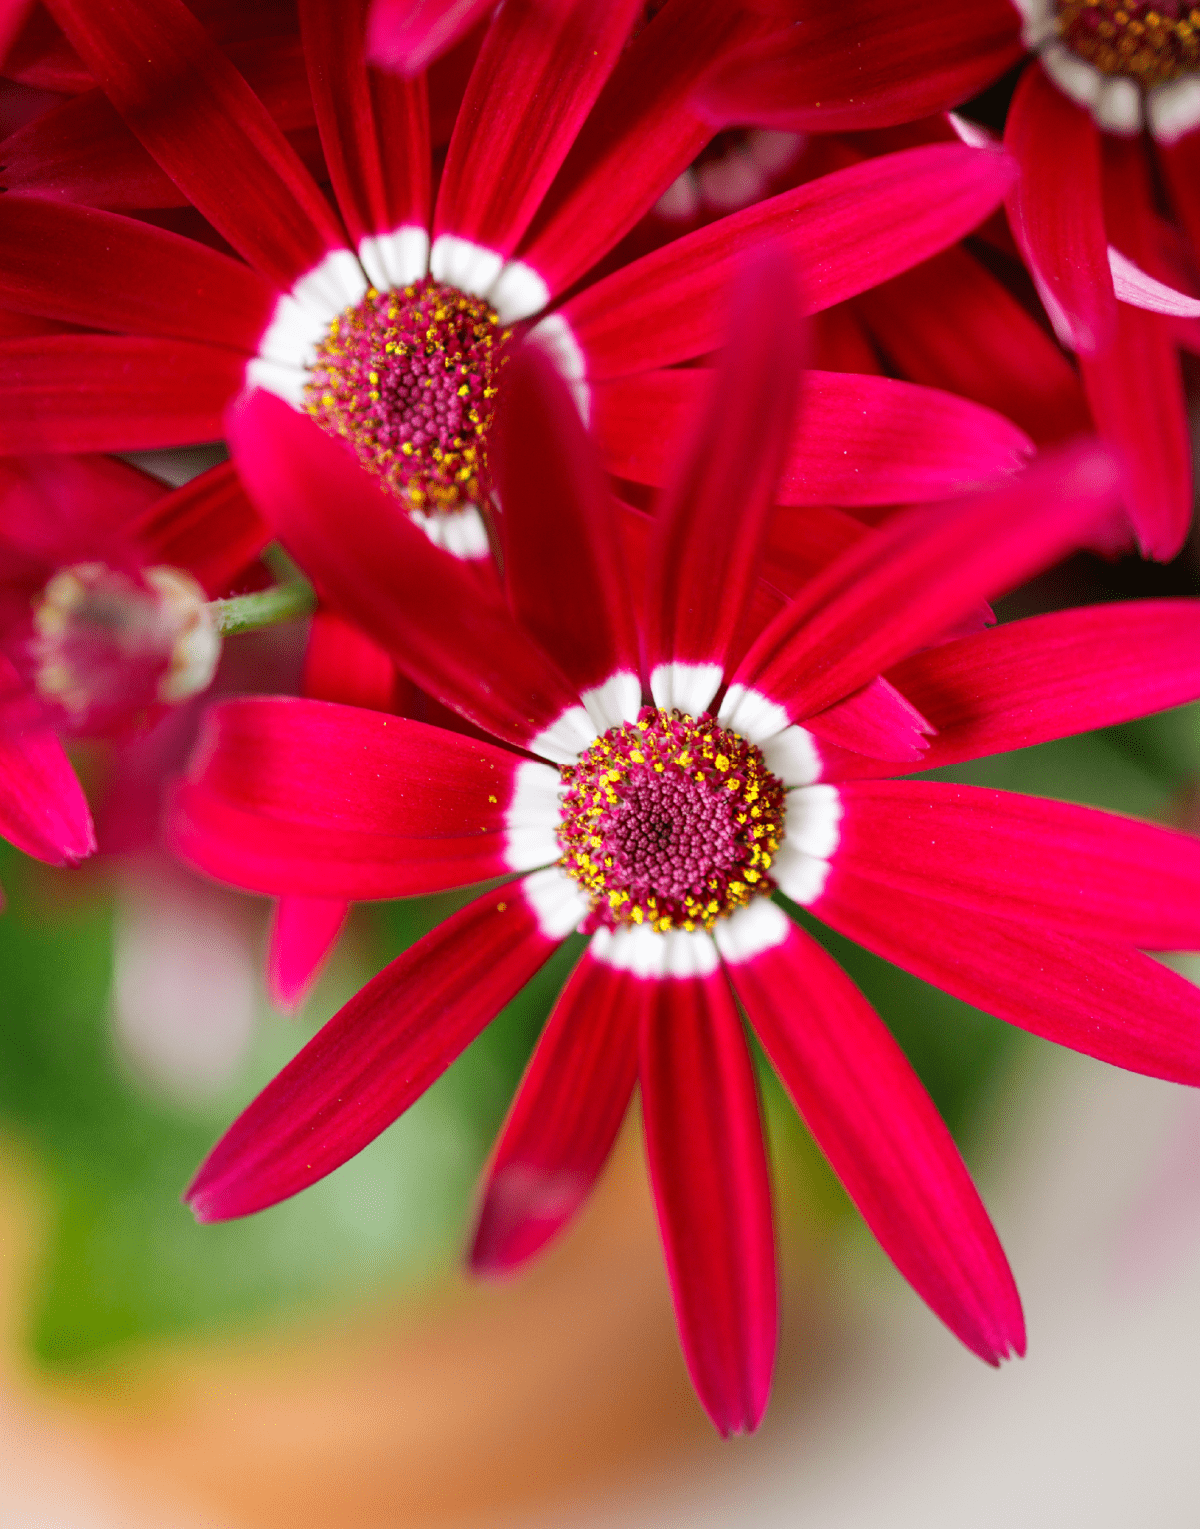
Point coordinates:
[(864, 66), (206, 128), (847, 231), (906, 585), (112, 393), (564, 1119), (341, 663), (12, 18), (639, 136), (208, 527), (376, 1056), (303, 932), (382, 573), (709, 1172), (539, 71), (1106, 1001), (562, 565), (870, 1115), (43, 810), (407, 35), (1056, 213), (858, 440), (877, 721), (711, 521), (1180, 165)]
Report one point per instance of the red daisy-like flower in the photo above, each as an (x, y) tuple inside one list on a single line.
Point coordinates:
[(664, 775), (387, 325), (1118, 281)]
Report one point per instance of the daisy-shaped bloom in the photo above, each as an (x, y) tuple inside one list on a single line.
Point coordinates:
[(387, 325), (1085, 210), (670, 765)]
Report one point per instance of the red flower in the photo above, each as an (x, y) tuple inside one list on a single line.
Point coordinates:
[(565, 138), (1084, 209), (658, 825)]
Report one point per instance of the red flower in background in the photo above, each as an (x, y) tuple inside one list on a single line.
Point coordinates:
[(1085, 209), (687, 761)]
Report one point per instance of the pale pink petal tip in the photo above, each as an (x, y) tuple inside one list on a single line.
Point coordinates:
[(304, 931), (406, 36)]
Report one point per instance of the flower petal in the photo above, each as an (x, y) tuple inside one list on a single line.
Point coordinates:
[(711, 521), (112, 393), (208, 527), (407, 35), (858, 440), (905, 586), (375, 1057), (206, 128), (1107, 1001), (539, 71), (847, 231), (564, 1119), (43, 810), (877, 721), (381, 572), (341, 663), (1056, 212), (842, 68), (870, 1115), (303, 932)]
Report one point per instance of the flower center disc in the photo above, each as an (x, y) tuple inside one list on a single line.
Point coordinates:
[(407, 378), (1150, 43), (670, 821)]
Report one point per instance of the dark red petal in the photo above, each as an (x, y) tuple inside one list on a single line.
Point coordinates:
[(380, 571), (208, 527), (564, 1119), (892, 593), (341, 663), (847, 231), (1056, 211), (868, 65), (1107, 1001), (711, 522), (562, 566), (112, 393), (303, 932), (43, 810), (870, 1115), (375, 1057), (709, 1172), (638, 137), (206, 128), (540, 69)]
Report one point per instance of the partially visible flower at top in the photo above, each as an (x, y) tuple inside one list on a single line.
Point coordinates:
[(387, 322), (1116, 278), (692, 756)]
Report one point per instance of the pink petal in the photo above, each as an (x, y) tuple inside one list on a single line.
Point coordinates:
[(949, 323), (1056, 213), (1107, 1001), (858, 440), (709, 1172), (382, 572), (43, 810), (374, 129), (905, 586), (208, 527), (1051, 676), (870, 1115), (711, 521), (869, 65), (375, 1057), (562, 565), (304, 931), (639, 136), (341, 663), (564, 1119), (1048, 864), (206, 128), (877, 721), (112, 393), (1138, 288), (847, 231), (407, 35), (536, 77)]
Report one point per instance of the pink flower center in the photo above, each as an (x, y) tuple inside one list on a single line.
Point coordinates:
[(671, 821), (1150, 43), (407, 379)]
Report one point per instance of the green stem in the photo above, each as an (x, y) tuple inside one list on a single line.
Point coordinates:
[(267, 607)]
